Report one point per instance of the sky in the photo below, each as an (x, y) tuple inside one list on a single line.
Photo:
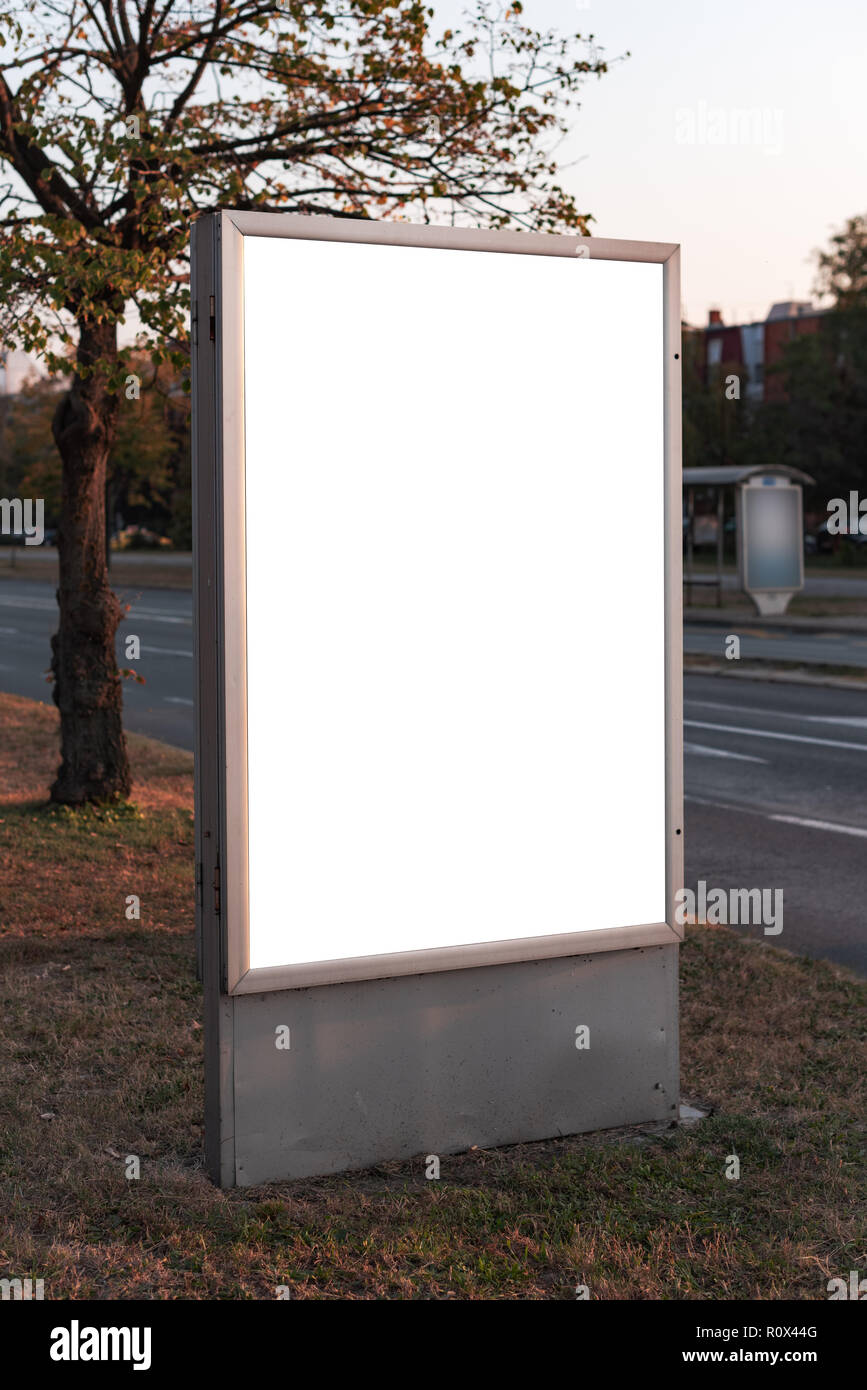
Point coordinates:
[(662, 157), (659, 154)]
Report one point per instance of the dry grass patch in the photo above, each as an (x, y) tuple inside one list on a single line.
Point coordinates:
[(65, 871)]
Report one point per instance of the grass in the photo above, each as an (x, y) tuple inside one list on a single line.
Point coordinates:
[(102, 1057)]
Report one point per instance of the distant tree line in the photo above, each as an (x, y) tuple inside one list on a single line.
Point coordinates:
[(148, 474)]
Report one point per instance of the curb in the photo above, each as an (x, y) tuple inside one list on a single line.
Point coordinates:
[(781, 677), (721, 617)]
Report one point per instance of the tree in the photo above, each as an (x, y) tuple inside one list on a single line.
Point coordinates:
[(715, 422), (29, 466), (144, 467), (121, 120), (147, 468), (821, 425), (842, 270)]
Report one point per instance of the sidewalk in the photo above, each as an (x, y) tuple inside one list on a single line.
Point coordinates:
[(840, 581), (157, 569), (20, 556)]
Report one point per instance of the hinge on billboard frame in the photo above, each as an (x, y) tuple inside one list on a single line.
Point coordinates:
[(216, 890), (212, 319)]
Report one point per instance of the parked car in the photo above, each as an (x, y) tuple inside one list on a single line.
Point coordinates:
[(139, 538), (823, 542)]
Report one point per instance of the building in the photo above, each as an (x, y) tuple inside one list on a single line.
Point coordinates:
[(756, 346)]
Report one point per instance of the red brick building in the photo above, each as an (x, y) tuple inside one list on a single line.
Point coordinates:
[(756, 346)]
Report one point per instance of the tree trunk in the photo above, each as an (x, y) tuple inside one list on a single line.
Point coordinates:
[(87, 687)]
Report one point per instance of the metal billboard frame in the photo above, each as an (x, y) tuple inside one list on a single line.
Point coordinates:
[(221, 649), (255, 1119)]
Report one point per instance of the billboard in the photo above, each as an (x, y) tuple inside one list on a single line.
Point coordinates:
[(446, 501), (438, 629)]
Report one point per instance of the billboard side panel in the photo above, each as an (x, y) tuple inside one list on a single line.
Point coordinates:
[(219, 1006), (674, 589)]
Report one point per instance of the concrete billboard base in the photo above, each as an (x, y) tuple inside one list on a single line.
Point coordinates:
[(434, 1064)]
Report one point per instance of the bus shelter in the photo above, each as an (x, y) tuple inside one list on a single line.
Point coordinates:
[(768, 508)]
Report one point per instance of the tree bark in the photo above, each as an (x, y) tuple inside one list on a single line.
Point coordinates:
[(87, 686)]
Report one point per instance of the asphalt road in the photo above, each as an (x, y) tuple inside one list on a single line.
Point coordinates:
[(775, 774), (776, 797), (160, 618)]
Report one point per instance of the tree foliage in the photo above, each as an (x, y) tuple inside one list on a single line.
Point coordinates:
[(123, 120), (120, 122), (148, 466), (842, 268)]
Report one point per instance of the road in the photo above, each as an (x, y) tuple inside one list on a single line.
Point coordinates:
[(160, 618), (826, 648), (776, 797), (775, 774)]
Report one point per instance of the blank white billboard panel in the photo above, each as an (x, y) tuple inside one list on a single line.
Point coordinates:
[(455, 597)]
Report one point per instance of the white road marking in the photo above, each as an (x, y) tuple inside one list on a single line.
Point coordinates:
[(766, 733), (8, 631), (46, 605), (855, 722), (740, 709), (821, 825), (49, 605), (805, 821), (154, 617), (702, 749), (176, 700), (166, 651), (852, 721)]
